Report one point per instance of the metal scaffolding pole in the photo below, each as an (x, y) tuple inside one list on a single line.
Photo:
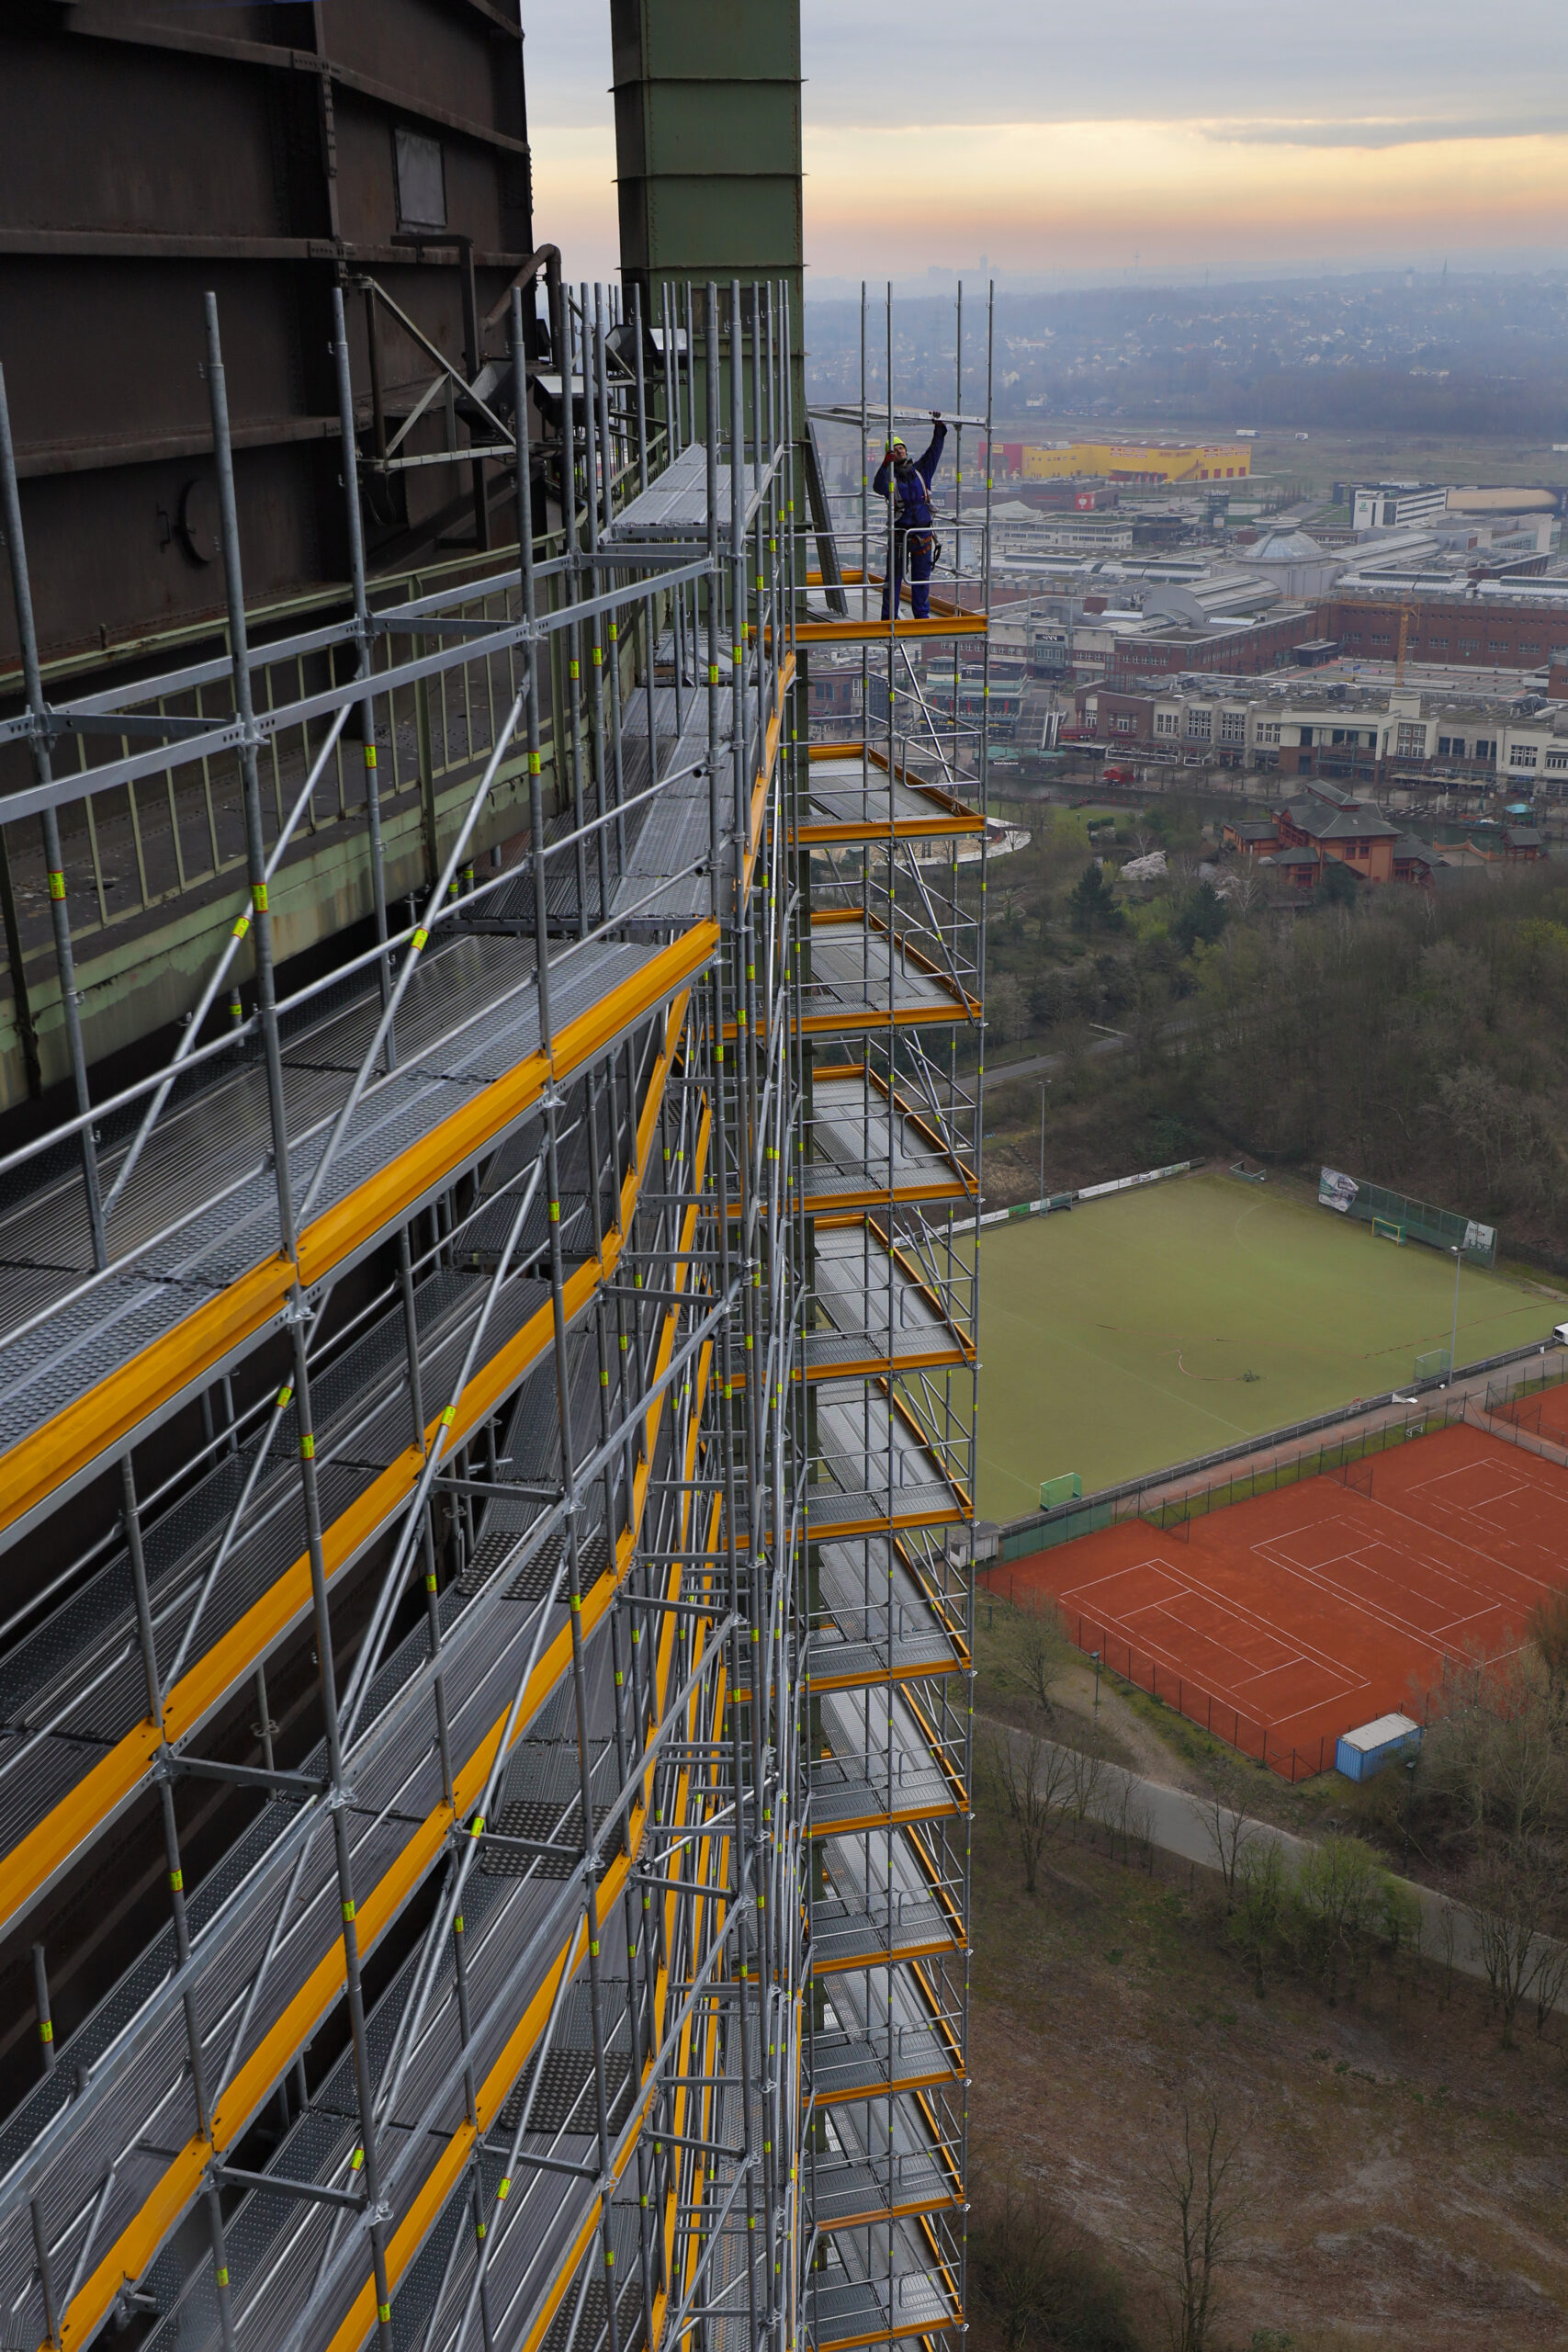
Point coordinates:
[(526, 1858)]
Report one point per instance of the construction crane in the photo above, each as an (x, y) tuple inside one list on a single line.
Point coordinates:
[(1407, 611)]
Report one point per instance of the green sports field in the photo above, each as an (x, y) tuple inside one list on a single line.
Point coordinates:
[(1160, 1323)]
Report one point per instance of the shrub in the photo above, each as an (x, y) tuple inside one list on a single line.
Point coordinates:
[(1039, 2279), (1339, 1905), (1091, 903)]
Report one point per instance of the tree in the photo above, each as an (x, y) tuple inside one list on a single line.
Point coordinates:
[(1086, 1771), (1501, 1142), (1038, 1654), (1245, 889), (1229, 1831), (1113, 982), (1515, 1890), (1040, 2277), (1496, 1749), (1338, 885), (1032, 1778), (1202, 917), (1260, 1905), (1051, 998), (1203, 2202), (1092, 904), (1551, 1975), (1549, 1632), (1338, 1902), (1007, 1009)]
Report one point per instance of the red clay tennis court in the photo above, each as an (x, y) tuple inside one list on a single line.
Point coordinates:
[(1544, 1415), (1282, 1620)]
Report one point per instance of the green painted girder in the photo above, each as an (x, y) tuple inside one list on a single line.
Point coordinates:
[(707, 138)]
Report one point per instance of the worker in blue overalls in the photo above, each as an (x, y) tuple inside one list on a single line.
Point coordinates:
[(907, 482)]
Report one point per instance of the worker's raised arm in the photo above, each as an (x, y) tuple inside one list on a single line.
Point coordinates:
[(928, 462), (882, 475)]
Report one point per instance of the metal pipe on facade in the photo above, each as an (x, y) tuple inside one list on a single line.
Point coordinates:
[(356, 526), (54, 856), (574, 571), (596, 463), (531, 694), (255, 847), (618, 784), (41, 2005)]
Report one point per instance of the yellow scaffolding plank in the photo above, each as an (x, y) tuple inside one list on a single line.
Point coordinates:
[(112, 1410), (49, 1846), (141, 2238)]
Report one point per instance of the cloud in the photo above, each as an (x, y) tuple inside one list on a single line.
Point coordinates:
[(1066, 139), (888, 63), (1373, 130), (1090, 194)]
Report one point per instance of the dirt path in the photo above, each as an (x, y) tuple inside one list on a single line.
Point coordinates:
[(1148, 1751)]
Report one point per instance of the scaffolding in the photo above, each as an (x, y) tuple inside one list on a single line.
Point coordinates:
[(891, 841), (488, 1421)]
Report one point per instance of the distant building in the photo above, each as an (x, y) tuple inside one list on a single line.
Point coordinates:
[(1324, 828), (1233, 594), (1251, 836), (1150, 462), (1351, 830), (1334, 731), (1233, 645), (1414, 861), (1393, 506), (1490, 625), (1294, 563)]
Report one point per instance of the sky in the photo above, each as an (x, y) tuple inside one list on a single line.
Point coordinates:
[(1126, 136)]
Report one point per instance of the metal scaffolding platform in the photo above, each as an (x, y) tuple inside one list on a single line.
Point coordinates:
[(890, 827), (484, 1753)]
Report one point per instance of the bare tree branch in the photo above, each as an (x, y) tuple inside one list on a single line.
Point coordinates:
[(1032, 1777), (1203, 2201), (1514, 1892), (1229, 1831)]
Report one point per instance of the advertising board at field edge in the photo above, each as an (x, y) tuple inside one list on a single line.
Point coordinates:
[(1335, 1190)]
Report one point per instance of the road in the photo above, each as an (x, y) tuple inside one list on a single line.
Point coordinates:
[(1181, 1824), (1041, 1065), (1114, 1041)]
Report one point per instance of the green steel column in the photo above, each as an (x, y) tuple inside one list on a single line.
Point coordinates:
[(707, 141)]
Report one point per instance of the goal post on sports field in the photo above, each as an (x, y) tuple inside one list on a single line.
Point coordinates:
[(1385, 1228), (1436, 1365), (1067, 1488)]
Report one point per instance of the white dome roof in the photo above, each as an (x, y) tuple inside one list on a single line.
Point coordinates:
[(1285, 546)]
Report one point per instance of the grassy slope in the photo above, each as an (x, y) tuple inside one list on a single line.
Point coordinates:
[(1405, 2178), (1116, 1340)]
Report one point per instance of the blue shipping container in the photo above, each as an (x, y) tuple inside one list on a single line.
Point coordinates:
[(1361, 1754)]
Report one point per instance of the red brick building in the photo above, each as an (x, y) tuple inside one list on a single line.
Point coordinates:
[(1450, 632), (1110, 715), (1456, 632), (1245, 650), (1350, 830)]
